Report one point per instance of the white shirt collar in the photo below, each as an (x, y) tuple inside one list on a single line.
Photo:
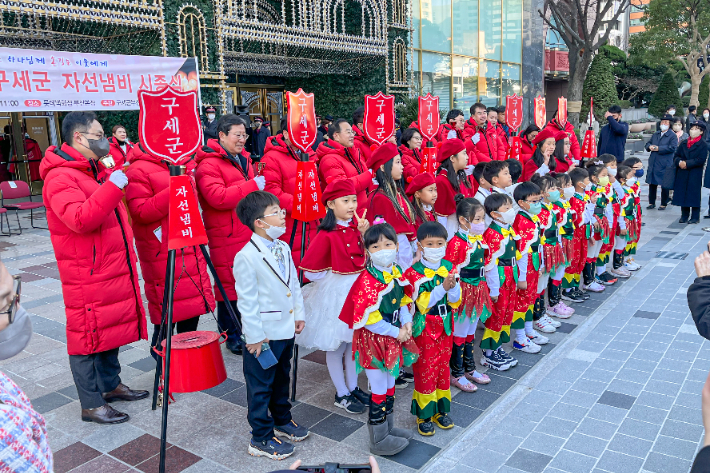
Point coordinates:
[(429, 264), (344, 223), (266, 242)]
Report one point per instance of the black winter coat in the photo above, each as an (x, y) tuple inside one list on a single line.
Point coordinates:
[(699, 304), (661, 159), (689, 181)]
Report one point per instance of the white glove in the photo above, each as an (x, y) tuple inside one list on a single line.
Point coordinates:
[(260, 181), (119, 178), (469, 169), (374, 182)]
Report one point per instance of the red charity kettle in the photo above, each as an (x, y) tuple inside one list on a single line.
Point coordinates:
[(196, 361)]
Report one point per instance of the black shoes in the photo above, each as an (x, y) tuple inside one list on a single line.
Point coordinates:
[(124, 393), (683, 220), (234, 344), (104, 415), (692, 221)]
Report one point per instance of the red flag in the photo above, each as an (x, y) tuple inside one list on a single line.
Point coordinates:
[(428, 160), (540, 113), (307, 197), (428, 118), (168, 123), (589, 145), (516, 146), (185, 227), (378, 124), (301, 120), (514, 111), (562, 111)]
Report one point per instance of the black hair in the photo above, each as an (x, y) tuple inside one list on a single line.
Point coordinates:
[(631, 162), (614, 109), (491, 109), (501, 109), (692, 108), (226, 122), (408, 134), (453, 114), (455, 178), (538, 158), (493, 169), (495, 201), (329, 222), (606, 158), (578, 175), (515, 169), (559, 153), (563, 179), (475, 106), (623, 171), (359, 115), (543, 182), (390, 188), (335, 127), (671, 106), (478, 171), (467, 207), (375, 232), (594, 169), (418, 208), (708, 109), (431, 230), (284, 124), (532, 127), (253, 205), (76, 121), (525, 190)]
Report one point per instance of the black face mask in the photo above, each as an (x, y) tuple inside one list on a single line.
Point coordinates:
[(100, 147)]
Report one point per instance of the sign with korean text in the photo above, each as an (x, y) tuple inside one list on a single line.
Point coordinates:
[(589, 145), (516, 145), (429, 163), (562, 111), (307, 204), (185, 227), (540, 112), (428, 118), (168, 123), (378, 124), (301, 120), (38, 80), (514, 111)]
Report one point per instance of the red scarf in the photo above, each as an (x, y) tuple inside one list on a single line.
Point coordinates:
[(692, 141)]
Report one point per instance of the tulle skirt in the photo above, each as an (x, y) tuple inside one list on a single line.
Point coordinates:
[(322, 302)]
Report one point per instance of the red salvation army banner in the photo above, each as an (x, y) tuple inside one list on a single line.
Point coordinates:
[(37, 80), (185, 227), (301, 120)]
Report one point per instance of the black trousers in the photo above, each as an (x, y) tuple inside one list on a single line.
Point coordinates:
[(95, 374), (685, 213), (652, 191), (225, 321), (189, 325), (267, 390)]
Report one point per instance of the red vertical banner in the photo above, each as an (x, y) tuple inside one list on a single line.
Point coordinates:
[(378, 123), (514, 111), (428, 159), (516, 146), (307, 204), (589, 145), (185, 227), (301, 120), (562, 111), (540, 112), (590, 119), (428, 118)]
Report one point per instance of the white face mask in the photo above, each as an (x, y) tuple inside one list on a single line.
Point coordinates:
[(434, 255), (274, 232), (569, 192), (611, 171), (508, 216), (671, 112), (706, 115), (588, 187), (694, 132), (210, 116), (383, 258), (664, 127), (677, 127), (631, 182)]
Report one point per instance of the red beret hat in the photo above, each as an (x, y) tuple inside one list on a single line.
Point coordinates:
[(338, 188), (419, 182), (449, 148), (543, 135), (561, 135), (382, 155)]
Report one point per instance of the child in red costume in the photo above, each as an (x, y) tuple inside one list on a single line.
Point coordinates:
[(376, 308), (630, 250), (564, 215), (434, 289), (467, 251), (333, 262), (388, 199), (595, 276), (452, 178), (422, 192), (502, 278)]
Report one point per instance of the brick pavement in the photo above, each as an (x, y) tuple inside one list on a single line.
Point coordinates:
[(616, 390)]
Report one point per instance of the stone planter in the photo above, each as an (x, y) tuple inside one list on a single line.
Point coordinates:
[(637, 127)]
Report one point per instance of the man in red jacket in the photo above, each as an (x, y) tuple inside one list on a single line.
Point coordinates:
[(224, 175), (280, 163), (340, 159), (483, 136), (93, 244)]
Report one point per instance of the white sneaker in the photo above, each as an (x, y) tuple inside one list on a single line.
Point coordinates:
[(543, 326), (551, 321), (632, 265), (529, 347), (621, 272), (538, 339), (595, 287)]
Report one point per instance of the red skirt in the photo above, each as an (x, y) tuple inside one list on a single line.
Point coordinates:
[(373, 351), (474, 299), (554, 257), (568, 248)]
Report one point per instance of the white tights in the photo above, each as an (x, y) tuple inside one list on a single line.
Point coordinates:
[(465, 328), (380, 381), (344, 382)]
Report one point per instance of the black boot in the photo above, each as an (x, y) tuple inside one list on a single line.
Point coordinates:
[(554, 294), (469, 364), (381, 442), (618, 260), (389, 412), (539, 307), (456, 362), (588, 273)]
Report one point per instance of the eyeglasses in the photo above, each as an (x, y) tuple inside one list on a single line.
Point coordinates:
[(280, 213), (534, 201), (97, 135), (12, 309), (239, 136)]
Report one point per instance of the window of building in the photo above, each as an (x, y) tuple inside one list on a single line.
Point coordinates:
[(465, 77), (436, 76), (436, 25)]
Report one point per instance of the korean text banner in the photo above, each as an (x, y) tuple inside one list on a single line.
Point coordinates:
[(37, 80)]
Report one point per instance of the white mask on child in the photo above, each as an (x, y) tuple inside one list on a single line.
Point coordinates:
[(631, 181), (611, 171), (274, 232), (569, 193), (434, 255), (508, 216), (383, 258), (588, 187)]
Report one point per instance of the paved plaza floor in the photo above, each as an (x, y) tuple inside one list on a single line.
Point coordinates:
[(616, 390)]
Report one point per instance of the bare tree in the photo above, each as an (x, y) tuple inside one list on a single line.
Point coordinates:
[(578, 22)]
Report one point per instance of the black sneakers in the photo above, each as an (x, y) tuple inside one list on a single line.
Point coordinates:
[(350, 404), (272, 448), (572, 296), (361, 396)]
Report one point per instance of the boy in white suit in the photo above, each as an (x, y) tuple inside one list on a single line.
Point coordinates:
[(269, 299)]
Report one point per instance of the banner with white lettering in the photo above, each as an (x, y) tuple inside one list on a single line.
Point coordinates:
[(38, 80)]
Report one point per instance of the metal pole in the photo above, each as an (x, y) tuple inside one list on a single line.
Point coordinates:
[(158, 361), (168, 337)]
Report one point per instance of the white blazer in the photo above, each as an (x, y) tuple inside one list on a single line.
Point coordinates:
[(269, 302)]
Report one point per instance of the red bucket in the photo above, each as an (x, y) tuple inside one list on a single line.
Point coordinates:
[(196, 362)]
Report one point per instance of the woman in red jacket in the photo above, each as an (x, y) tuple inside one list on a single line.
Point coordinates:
[(280, 162), (224, 175), (147, 195), (120, 146), (411, 152), (452, 178), (542, 161), (339, 159), (527, 148)]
